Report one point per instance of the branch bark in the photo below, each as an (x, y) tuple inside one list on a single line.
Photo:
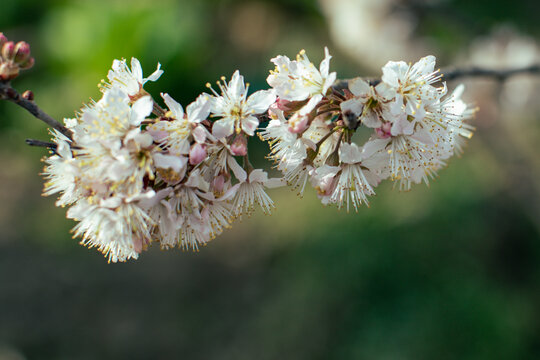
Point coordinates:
[(9, 93)]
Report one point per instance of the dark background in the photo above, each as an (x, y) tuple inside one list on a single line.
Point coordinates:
[(446, 272)]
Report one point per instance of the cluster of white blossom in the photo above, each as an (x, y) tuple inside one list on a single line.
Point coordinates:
[(415, 127), (134, 173)]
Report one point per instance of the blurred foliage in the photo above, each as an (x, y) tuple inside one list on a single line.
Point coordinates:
[(446, 272)]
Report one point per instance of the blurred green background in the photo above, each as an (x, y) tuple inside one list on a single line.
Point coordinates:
[(446, 272)]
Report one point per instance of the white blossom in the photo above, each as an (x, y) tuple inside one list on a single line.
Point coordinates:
[(130, 81), (236, 110)]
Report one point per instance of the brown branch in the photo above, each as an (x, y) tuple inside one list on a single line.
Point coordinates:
[(458, 73), (9, 93), (39, 143)]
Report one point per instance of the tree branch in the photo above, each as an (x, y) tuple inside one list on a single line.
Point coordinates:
[(39, 143), (9, 93), (457, 73)]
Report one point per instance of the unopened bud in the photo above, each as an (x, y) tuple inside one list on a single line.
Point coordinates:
[(3, 39), (28, 95), (384, 132), (22, 52), (298, 124), (27, 64), (8, 50), (11, 93), (218, 184), (239, 146), (197, 154)]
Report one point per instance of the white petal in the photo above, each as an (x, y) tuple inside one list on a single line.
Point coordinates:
[(136, 69), (141, 109), (325, 64), (259, 101), (156, 74), (236, 169), (258, 175), (353, 105), (223, 128), (199, 134), (199, 110), (236, 86), (176, 163), (249, 125), (359, 86), (174, 106), (349, 153)]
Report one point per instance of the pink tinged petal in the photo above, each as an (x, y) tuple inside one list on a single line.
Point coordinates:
[(141, 109), (249, 125), (218, 184), (136, 69), (199, 134), (197, 154), (223, 128), (259, 101), (199, 110), (236, 86), (156, 74), (196, 180), (158, 135), (384, 132), (239, 146), (258, 175), (174, 106), (359, 87), (237, 170), (298, 124)]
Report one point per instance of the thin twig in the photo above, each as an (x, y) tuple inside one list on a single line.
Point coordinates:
[(457, 73), (34, 142), (9, 93), (501, 74)]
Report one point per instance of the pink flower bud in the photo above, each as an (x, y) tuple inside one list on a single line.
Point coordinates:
[(3, 39), (298, 124), (27, 64), (8, 71), (239, 146), (384, 131), (218, 184), (283, 105), (8, 50), (28, 95), (22, 52), (197, 154)]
